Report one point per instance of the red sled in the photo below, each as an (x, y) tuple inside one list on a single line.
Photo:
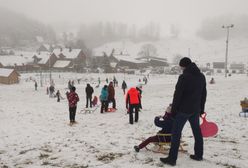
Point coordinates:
[(111, 110), (208, 129)]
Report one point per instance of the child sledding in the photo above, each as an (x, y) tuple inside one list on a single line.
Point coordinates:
[(244, 106), (162, 139)]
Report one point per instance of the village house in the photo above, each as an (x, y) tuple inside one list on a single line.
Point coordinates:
[(237, 68), (63, 65), (76, 56), (44, 60), (9, 76), (219, 67)]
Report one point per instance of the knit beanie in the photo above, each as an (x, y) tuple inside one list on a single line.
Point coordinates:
[(184, 62)]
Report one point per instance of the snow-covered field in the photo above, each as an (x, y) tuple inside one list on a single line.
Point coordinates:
[(34, 130)]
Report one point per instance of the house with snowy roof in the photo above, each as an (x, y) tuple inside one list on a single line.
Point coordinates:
[(17, 62), (45, 60), (63, 65), (76, 56), (219, 67), (9, 76), (237, 68)]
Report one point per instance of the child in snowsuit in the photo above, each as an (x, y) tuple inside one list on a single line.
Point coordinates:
[(94, 102), (165, 122), (73, 98), (58, 96)]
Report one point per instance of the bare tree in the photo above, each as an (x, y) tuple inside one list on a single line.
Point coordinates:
[(147, 51)]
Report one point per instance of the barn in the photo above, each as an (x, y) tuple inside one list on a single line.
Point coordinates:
[(9, 76)]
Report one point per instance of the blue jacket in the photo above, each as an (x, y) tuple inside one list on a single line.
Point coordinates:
[(104, 95)]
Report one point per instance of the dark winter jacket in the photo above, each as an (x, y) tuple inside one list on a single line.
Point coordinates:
[(124, 85), (166, 125), (190, 92), (89, 90), (111, 91), (72, 99)]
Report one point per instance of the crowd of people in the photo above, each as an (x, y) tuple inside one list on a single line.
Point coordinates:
[(187, 105)]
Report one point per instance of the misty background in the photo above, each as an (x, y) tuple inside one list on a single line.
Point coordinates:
[(91, 23)]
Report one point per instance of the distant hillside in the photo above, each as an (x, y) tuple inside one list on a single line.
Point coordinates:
[(18, 30), (200, 51)]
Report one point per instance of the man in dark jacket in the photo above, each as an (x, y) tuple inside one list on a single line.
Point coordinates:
[(124, 87), (188, 104), (89, 91)]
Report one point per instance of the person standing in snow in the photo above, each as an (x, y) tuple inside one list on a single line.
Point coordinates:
[(133, 104), (35, 85), (188, 104), (51, 91), (104, 99), (111, 95), (58, 96), (72, 98), (89, 91), (124, 87)]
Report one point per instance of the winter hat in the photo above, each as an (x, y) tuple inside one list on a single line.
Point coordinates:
[(184, 62), (73, 88)]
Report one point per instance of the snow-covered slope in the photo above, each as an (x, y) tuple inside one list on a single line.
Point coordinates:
[(199, 50), (34, 129)]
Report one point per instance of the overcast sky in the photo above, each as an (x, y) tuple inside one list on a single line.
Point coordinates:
[(188, 14)]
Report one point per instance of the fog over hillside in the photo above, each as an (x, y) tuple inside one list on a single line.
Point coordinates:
[(192, 28)]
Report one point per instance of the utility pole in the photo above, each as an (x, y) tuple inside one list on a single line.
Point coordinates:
[(50, 73), (189, 52), (227, 38), (41, 84)]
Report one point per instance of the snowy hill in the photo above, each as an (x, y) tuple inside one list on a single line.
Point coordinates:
[(34, 128), (201, 51)]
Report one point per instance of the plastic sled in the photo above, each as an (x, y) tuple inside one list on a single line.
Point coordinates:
[(89, 110), (243, 114), (208, 129), (111, 110), (162, 146)]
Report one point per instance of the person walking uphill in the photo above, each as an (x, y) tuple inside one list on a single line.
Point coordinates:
[(133, 103), (188, 104), (89, 91), (72, 97)]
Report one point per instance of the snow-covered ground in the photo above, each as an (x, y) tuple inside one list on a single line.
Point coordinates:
[(34, 130)]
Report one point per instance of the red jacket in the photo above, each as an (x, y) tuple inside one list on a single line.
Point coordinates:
[(133, 96), (72, 99)]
